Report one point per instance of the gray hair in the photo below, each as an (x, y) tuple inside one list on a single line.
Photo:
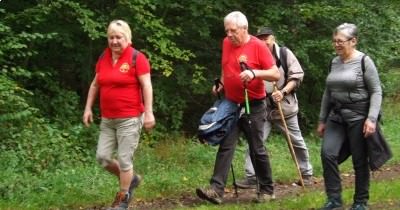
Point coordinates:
[(121, 27), (237, 18), (348, 29)]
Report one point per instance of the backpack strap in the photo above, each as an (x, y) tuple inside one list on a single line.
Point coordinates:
[(275, 54), (363, 63), (134, 56), (218, 82), (330, 66), (101, 56), (283, 61), (363, 71)]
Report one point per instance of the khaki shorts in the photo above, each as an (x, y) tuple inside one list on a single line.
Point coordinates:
[(122, 134)]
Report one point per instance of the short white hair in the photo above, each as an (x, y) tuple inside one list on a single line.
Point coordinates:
[(348, 29), (121, 27), (237, 18)]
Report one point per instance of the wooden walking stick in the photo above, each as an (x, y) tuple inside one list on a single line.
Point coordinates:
[(288, 139)]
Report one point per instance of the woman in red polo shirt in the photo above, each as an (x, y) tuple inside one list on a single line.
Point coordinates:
[(126, 104)]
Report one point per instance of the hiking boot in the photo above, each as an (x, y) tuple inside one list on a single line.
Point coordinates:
[(332, 204), (247, 183), (264, 197), (307, 181), (121, 201), (359, 206), (209, 194), (134, 184)]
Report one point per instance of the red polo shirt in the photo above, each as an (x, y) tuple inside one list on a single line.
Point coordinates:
[(257, 56), (120, 90)]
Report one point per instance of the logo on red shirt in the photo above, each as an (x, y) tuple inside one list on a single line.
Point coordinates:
[(243, 58), (124, 68)]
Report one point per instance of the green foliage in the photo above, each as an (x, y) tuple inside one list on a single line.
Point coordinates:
[(14, 109), (39, 146), (390, 81), (56, 43), (40, 118), (309, 34), (56, 103)]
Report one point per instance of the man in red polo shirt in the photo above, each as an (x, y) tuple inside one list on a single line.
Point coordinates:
[(126, 104), (239, 46)]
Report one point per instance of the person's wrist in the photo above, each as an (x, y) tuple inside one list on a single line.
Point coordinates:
[(284, 92), (372, 119), (254, 74)]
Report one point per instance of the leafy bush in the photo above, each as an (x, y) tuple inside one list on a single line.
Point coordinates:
[(14, 110)]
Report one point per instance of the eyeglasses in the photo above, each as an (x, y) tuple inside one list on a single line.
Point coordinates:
[(340, 42)]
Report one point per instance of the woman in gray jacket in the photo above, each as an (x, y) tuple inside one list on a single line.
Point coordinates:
[(349, 113)]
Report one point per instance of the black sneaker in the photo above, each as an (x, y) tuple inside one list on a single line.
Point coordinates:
[(359, 206), (209, 194), (247, 183), (332, 204)]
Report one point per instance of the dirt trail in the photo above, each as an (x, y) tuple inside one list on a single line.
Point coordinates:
[(282, 190)]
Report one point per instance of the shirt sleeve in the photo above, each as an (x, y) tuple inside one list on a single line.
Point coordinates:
[(325, 106), (295, 71), (142, 64), (371, 80)]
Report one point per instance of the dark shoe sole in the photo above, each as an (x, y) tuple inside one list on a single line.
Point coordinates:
[(203, 196)]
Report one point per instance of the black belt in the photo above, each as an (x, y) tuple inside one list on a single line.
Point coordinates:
[(254, 102)]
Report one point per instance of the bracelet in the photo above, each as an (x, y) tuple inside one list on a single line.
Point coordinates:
[(254, 75)]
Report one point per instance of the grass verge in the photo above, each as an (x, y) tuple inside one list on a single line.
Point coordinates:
[(383, 194), (179, 165)]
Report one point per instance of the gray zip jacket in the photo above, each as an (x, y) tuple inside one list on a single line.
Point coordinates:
[(359, 93)]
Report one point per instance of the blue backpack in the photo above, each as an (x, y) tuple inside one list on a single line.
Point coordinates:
[(218, 121)]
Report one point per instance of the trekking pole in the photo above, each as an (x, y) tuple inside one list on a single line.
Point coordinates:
[(243, 67), (234, 181), (217, 82), (288, 139)]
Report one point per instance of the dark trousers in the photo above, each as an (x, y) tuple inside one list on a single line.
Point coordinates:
[(255, 139), (335, 136)]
